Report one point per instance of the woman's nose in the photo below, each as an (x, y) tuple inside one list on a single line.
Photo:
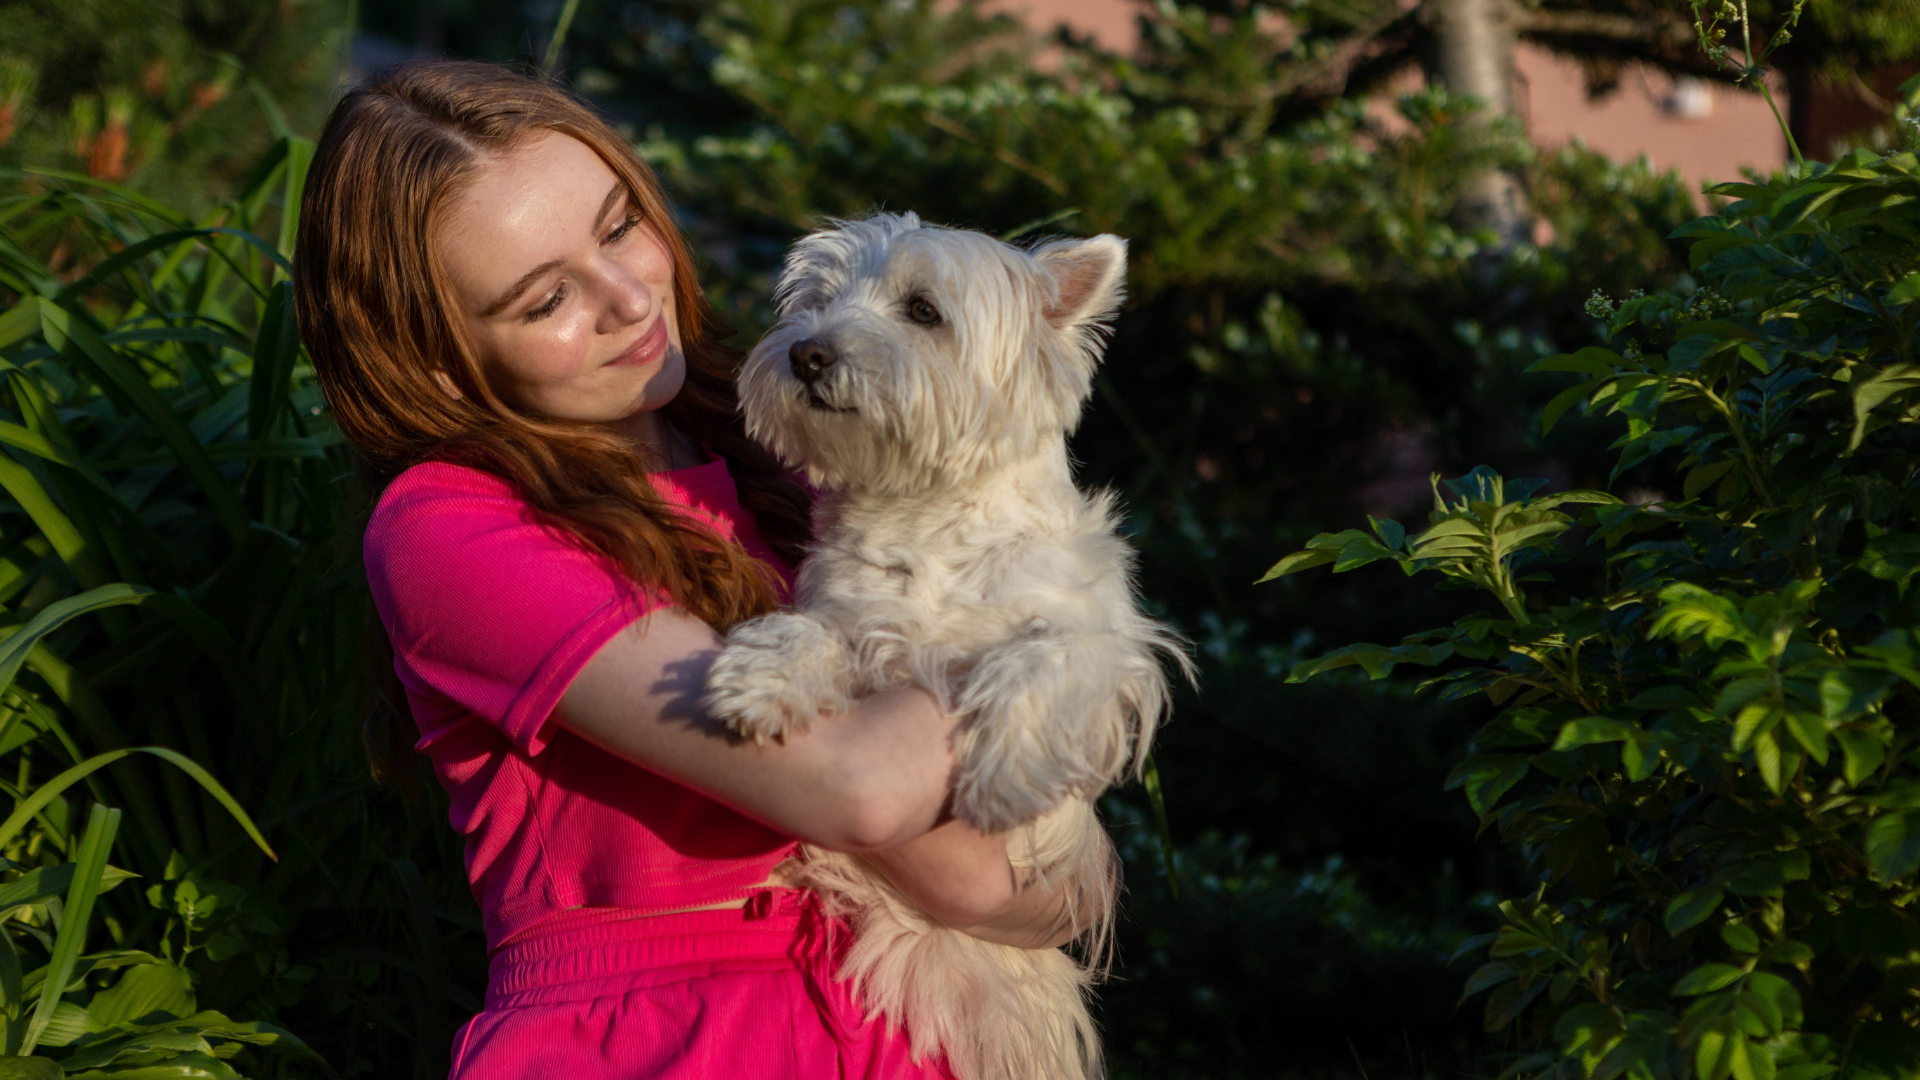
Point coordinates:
[(629, 300)]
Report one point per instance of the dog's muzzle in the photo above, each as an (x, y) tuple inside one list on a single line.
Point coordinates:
[(809, 359)]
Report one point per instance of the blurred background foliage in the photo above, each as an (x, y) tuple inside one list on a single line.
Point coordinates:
[(1316, 325)]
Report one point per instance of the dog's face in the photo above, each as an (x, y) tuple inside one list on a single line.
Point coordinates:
[(910, 357)]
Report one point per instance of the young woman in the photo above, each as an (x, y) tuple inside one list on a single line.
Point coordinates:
[(507, 326)]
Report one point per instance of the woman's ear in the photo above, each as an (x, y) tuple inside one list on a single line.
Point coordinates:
[(445, 382)]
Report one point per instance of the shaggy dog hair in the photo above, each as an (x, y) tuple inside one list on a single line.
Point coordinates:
[(925, 379)]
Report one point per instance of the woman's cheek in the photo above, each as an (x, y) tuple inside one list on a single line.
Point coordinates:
[(563, 349)]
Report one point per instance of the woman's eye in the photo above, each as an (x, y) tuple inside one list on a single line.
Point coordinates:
[(625, 227), (922, 312), (548, 306)]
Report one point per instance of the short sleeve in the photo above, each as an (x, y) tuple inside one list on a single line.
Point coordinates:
[(489, 610)]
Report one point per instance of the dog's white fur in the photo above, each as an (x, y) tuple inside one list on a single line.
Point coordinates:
[(954, 552)]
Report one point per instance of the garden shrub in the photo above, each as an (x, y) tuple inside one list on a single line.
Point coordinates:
[(170, 578), (1706, 745)]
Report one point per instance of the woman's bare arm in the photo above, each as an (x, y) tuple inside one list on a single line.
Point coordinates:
[(873, 778), (873, 781), (964, 879)]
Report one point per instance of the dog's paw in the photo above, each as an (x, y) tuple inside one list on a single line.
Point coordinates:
[(776, 675)]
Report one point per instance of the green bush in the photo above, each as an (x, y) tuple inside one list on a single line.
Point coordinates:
[(179, 573), (1706, 749)]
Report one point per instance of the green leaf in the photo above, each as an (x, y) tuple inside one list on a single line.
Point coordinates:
[(15, 646), (1489, 976), (1706, 979), (1486, 777), (191, 1066), (1702, 477), (1864, 751), (1690, 909), (123, 378), (1905, 291), (52, 789), (69, 1023), (1871, 392), (1390, 532), (1692, 611), (1789, 952), (1591, 360), (299, 155), (1299, 560), (142, 992), (1810, 731), (1774, 999), (29, 1068), (1893, 844), (1740, 937), (38, 886), (91, 861), (120, 260), (1588, 730), (148, 1045), (1562, 402), (1710, 1059), (275, 348)]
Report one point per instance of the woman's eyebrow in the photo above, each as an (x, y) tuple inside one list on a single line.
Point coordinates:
[(513, 291), (607, 205)]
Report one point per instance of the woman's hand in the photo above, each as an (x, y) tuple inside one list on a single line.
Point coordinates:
[(964, 879), (872, 779)]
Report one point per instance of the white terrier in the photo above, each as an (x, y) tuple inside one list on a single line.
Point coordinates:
[(925, 379)]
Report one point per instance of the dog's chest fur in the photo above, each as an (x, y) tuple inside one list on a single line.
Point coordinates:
[(965, 570)]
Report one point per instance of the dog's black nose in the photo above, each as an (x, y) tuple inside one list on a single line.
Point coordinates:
[(808, 358)]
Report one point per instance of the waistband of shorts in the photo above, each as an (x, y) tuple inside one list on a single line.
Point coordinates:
[(762, 934)]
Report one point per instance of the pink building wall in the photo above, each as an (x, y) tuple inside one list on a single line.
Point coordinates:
[(1708, 132)]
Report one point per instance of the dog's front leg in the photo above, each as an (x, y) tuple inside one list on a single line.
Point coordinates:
[(1050, 715), (778, 673)]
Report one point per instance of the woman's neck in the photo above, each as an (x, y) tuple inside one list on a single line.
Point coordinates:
[(660, 445)]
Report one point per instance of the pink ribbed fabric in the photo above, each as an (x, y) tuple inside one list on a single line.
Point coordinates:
[(570, 850), (737, 994)]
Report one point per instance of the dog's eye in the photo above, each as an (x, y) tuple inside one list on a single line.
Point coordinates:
[(920, 310)]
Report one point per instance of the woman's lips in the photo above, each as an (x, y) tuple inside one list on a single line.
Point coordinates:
[(652, 346)]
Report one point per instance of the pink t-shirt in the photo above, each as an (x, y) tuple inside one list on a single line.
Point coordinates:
[(492, 614)]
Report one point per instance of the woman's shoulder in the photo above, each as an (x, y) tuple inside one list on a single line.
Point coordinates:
[(438, 481), (439, 507)]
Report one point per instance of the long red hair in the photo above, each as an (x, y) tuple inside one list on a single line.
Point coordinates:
[(374, 309)]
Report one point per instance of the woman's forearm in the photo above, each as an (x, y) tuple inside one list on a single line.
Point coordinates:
[(964, 879), (873, 778), (872, 782)]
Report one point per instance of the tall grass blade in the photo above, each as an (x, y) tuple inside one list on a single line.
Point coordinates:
[(1150, 778), (53, 788), (299, 157), (125, 381), (15, 646), (102, 823)]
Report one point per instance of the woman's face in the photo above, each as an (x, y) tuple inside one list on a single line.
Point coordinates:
[(566, 294)]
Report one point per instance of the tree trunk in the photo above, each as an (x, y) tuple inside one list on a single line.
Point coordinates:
[(1473, 55)]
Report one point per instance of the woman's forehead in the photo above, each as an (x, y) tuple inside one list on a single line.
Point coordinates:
[(530, 184), (532, 204)]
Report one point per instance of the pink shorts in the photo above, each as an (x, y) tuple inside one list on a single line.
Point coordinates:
[(740, 994)]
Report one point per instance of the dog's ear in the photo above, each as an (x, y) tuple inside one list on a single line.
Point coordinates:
[(1090, 277)]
